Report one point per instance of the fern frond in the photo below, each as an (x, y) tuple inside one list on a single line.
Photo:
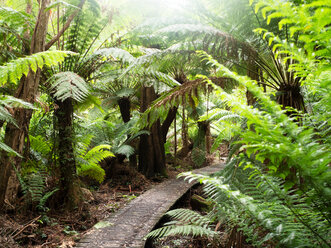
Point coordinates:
[(220, 115), (58, 3), (36, 186), (5, 116), (44, 198), (189, 217), (126, 150), (267, 211), (98, 153), (88, 164), (40, 148), (14, 70), (13, 102), (17, 18), (116, 54), (67, 85), (185, 230), (209, 39), (8, 149), (7, 102)]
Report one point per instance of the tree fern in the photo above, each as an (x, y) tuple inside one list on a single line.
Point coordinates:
[(276, 190), (274, 144)]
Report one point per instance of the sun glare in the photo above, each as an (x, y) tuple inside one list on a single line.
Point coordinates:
[(173, 4)]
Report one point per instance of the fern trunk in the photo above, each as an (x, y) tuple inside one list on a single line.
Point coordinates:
[(151, 147), (69, 183), (201, 144), (186, 146), (290, 96), (15, 136), (124, 104), (167, 123), (253, 73)]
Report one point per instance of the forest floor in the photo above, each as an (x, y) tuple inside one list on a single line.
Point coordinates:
[(57, 228)]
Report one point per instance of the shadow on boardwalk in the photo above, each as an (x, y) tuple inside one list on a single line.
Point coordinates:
[(127, 227)]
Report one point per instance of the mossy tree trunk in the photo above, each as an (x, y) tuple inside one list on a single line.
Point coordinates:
[(70, 193)]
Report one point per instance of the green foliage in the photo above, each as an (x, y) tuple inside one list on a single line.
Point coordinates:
[(68, 85), (6, 103), (88, 160), (34, 189), (13, 25), (272, 135), (14, 70), (184, 222), (124, 149), (263, 210), (41, 151), (276, 185), (12, 16)]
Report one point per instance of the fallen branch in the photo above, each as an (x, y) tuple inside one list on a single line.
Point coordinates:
[(25, 226)]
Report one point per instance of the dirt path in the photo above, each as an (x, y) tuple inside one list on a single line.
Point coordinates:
[(127, 227)]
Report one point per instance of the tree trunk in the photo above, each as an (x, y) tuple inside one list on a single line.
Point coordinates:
[(253, 73), (125, 105), (69, 183), (290, 96), (125, 109), (185, 141), (167, 123), (199, 151), (151, 147), (208, 139), (15, 137)]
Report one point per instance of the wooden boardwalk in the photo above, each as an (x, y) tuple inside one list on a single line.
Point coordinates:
[(128, 226)]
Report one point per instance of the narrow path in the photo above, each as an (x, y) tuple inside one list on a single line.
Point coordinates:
[(128, 226)]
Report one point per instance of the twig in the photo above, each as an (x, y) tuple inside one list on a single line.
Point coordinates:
[(46, 243), (25, 226)]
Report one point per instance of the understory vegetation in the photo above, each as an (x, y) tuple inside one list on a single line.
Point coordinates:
[(92, 89)]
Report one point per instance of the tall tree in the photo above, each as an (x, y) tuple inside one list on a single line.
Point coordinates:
[(27, 91)]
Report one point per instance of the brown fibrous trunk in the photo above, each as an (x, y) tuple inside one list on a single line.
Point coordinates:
[(151, 147), (69, 193)]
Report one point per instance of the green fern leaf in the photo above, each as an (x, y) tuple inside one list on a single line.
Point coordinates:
[(14, 70), (67, 85)]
